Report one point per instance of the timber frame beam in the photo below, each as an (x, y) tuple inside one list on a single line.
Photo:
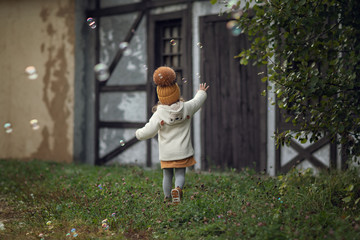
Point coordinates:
[(140, 6)]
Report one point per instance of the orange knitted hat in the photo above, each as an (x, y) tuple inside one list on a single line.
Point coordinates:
[(167, 89)]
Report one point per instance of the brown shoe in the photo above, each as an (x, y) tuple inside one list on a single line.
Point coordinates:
[(181, 191), (176, 195)]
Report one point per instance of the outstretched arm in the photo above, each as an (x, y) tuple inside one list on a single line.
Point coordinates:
[(199, 98), (149, 130)]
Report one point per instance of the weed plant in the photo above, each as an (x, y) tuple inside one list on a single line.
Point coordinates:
[(46, 200)]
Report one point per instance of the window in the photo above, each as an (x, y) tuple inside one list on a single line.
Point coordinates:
[(170, 41)]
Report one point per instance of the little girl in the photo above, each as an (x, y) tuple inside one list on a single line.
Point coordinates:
[(171, 121)]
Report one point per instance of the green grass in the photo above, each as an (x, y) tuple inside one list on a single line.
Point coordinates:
[(231, 205)]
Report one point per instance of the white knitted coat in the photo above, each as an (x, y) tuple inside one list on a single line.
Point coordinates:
[(172, 124)]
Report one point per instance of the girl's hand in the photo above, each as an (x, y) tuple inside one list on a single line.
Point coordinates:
[(203, 87)]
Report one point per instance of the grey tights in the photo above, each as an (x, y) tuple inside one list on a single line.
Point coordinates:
[(168, 174)]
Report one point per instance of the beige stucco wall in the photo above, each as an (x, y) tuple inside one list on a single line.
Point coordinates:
[(37, 33)]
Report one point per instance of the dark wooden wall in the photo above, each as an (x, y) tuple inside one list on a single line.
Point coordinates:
[(234, 115)]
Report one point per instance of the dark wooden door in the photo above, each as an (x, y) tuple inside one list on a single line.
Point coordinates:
[(234, 115)]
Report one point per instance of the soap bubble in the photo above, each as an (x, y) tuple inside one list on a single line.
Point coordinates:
[(101, 72), (199, 45), (237, 14), (8, 127), (184, 80), (231, 24), (91, 22), (198, 75), (33, 76), (173, 42), (31, 72), (124, 46), (236, 32), (122, 143), (73, 230), (35, 126), (234, 28)]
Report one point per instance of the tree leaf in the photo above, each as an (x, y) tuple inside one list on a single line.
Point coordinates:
[(243, 61), (300, 41), (350, 188), (347, 199)]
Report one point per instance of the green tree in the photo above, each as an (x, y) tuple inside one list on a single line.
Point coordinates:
[(312, 51)]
